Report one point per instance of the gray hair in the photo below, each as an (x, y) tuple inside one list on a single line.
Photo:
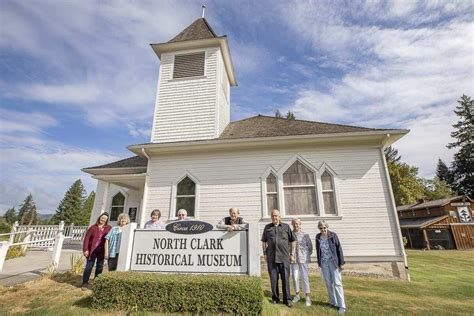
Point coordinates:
[(234, 208), (156, 211), (182, 210), (123, 216), (296, 219), (322, 223)]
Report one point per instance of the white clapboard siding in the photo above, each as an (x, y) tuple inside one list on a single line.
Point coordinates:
[(191, 108), (104, 196), (226, 179)]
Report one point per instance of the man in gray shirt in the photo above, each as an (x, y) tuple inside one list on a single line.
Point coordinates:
[(276, 240)]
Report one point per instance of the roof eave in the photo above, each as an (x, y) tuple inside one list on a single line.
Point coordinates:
[(221, 42), (378, 136), (103, 171)]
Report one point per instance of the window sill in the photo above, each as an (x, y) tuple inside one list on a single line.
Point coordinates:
[(304, 218), (187, 78)]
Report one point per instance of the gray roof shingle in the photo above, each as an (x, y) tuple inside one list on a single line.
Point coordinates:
[(268, 126), (132, 162), (428, 204), (420, 222), (199, 29)]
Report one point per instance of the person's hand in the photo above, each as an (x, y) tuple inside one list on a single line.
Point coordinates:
[(86, 254), (292, 258), (341, 267), (230, 228)]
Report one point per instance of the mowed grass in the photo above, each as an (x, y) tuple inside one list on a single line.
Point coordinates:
[(442, 284)]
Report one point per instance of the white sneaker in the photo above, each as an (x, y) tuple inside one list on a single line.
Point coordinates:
[(341, 310), (297, 298), (308, 301)]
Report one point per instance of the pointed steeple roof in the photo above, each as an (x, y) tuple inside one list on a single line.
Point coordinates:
[(198, 30)]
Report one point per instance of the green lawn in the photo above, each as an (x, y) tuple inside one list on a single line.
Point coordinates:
[(442, 284)]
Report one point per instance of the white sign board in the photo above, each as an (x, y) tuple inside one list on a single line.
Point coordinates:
[(215, 251), (464, 214)]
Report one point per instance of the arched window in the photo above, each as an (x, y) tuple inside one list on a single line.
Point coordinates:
[(117, 207), (300, 190), (328, 193), (272, 193), (186, 196)]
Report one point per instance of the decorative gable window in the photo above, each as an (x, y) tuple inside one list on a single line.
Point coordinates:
[(272, 193), (189, 65), (117, 207), (328, 193), (300, 190), (186, 196)]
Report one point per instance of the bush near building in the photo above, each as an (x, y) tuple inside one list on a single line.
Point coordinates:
[(197, 294)]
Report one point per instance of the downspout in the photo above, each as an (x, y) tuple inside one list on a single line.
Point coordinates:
[(394, 207), (145, 192)]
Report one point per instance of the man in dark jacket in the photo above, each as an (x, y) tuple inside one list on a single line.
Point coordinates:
[(276, 240)]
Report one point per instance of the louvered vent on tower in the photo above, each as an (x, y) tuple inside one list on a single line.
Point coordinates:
[(189, 65)]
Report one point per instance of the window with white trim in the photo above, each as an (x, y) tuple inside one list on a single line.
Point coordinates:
[(299, 188), (117, 207), (328, 193), (272, 193), (186, 196)]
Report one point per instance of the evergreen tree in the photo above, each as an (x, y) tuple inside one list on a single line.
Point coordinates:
[(463, 163), (437, 189), (443, 173), (87, 209), (278, 114), (290, 116), (25, 213), (10, 216), (71, 206), (391, 154)]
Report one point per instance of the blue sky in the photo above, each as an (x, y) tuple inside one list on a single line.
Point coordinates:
[(78, 78)]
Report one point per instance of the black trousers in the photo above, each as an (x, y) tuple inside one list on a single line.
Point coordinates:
[(275, 270), (112, 263)]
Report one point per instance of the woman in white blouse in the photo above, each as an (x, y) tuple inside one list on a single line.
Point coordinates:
[(304, 249)]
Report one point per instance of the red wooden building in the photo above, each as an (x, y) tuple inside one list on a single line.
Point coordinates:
[(439, 224)]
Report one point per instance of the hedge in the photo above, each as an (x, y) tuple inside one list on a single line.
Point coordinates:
[(178, 293)]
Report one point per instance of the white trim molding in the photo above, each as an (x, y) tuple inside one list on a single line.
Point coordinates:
[(174, 190)]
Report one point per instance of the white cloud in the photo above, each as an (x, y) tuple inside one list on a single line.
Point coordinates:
[(32, 163), (407, 77)]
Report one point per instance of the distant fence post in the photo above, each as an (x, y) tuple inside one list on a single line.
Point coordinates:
[(3, 252), (58, 245), (11, 240), (27, 238)]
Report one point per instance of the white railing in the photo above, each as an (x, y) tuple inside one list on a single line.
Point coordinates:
[(41, 235), (34, 237)]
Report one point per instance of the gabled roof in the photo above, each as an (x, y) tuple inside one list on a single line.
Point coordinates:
[(434, 203), (132, 162), (420, 222), (268, 126), (198, 30)]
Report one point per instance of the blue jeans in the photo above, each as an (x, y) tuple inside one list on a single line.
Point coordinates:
[(88, 269), (333, 279)]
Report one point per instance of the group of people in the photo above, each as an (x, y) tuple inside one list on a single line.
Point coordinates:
[(288, 250), (102, 242), (284, 249)]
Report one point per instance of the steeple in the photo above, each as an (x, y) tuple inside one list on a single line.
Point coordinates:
[(193, 94)]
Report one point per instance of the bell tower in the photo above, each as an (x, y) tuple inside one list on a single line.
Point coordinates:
[(193, 93)]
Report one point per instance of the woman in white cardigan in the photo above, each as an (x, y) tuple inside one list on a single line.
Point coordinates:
[(304, 249)]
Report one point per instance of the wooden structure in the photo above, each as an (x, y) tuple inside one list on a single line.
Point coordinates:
[(439, 224)]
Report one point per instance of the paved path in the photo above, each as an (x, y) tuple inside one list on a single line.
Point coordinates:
[(29, 267)]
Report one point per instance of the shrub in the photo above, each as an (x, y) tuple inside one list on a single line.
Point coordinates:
[(178, 293)]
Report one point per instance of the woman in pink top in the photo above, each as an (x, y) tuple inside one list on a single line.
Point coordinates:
[(93, 247)]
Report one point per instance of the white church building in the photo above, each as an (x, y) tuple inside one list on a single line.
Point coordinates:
[(198, 160)]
